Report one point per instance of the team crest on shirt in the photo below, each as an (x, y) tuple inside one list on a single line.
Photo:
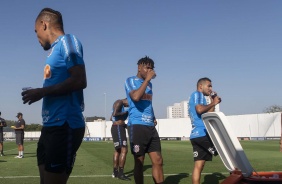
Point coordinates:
[(47, 72), (136, 148), (195, 153)]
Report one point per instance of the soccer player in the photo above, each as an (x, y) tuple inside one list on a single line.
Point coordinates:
[(62, 93), (118, 131), (2, 124), (202, 146), (19, 131), (143, 135)]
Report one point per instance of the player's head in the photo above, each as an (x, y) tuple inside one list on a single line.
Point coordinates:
[(204, 85), (146, 61), (19, 115), (125, 102), (145, 64), (47, 22)]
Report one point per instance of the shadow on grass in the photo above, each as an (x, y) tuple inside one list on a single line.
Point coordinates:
[(176, 178), (131, 173), (25, 155), (213, 178)]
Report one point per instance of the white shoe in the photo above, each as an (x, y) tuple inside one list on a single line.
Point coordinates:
[(19, 156)]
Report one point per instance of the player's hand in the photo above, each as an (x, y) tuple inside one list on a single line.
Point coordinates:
[(216, 100), (155, 122), (151, 74), (32, 95)]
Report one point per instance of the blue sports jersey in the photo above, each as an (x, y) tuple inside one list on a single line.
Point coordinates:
[(65, 53), (140, 112), (198, 127), (116, 118)]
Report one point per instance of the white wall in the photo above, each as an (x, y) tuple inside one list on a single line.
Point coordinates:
[(251, 125)]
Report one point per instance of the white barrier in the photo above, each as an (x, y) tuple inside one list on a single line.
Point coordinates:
[(267, 125), (250, 125)]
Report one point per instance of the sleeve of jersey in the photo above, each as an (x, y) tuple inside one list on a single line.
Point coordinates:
[(198, 98), (72, 51), (130, 85)]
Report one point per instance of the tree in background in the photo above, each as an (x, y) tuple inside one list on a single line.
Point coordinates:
[(273, 108)]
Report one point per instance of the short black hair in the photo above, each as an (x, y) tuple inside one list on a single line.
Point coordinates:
[(201, 80), (52, 16), (146, 60)]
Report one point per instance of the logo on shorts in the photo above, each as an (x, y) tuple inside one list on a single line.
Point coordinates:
[(136, 148), (116, 144), (195, 153), (124, 143)]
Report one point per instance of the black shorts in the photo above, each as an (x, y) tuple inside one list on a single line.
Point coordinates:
[(19, 138), (143, 139), (119, 136), (1, 137), (201, 147), (57, 147)]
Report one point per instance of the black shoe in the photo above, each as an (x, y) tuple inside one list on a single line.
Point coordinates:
[(123, 177)]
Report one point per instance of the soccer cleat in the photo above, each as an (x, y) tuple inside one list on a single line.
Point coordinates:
[(2, 154), (123, 177), (19, 156)]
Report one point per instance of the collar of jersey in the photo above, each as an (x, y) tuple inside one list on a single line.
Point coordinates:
[(57, 40)]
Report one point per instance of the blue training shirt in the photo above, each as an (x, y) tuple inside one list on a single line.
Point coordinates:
[(198, 127), (65, 53), (140, 112)]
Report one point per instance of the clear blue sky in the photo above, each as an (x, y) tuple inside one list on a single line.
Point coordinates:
[(235, 43)]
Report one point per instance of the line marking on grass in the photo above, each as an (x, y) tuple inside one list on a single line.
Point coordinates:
[(109, 176), (17, 148), (103, 175)]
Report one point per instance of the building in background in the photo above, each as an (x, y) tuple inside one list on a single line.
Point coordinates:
[(178, 110)]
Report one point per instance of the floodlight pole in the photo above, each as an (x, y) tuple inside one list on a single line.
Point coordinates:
[(105, 94)]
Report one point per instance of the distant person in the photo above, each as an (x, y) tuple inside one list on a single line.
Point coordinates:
[(19, 131), (62, 93), (143, 135), (203, 148), (2, 124), (118, 131)]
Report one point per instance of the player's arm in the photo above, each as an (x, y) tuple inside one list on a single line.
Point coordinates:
[(206, 108), (137, 94), (21, 127), (76, 81), (117, 109)]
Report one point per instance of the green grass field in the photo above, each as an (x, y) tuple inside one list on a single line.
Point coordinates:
[(94, 163)]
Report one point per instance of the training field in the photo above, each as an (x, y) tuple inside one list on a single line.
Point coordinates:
[(94, 163)]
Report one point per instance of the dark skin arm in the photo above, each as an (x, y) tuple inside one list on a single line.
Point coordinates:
[(206, 108), (137, 94), (76, 81), (117, 109)]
